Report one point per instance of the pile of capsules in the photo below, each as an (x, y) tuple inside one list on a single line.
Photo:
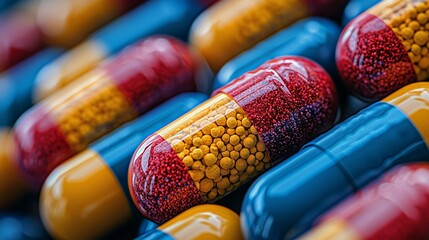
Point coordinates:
[(205, 119)]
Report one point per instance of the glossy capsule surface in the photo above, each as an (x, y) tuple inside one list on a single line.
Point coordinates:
[(285, 202), (67, 22), (230, 27), (385, 48), (101, 170), (12, 187), (355, 7), (248, 125), (314, 38), (133, 82), (20, 35), (172, 18), (394, 207), (204, 222), (17, 85)]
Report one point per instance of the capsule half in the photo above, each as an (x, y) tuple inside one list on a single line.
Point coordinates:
[(199, 223)]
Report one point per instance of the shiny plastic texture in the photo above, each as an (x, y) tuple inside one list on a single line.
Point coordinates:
[(168, 17), (385, 48), (395, 207), (230, 27), (263, 116), (199, 223), (133, 82), (17, 85), (314, 38), (284, 202), (20, 35), (355, 7), (67, 22), (12, 187), (76, 186)]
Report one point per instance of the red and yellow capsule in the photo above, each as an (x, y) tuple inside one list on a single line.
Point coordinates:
[(263, 116), (395, 207), (136, 80)]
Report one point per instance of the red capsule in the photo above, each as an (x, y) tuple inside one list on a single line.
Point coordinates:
[(246, 127), (395, 208), (136, 80)]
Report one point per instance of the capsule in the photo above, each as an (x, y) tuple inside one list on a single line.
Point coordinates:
[(65, 23), (394, 207), (133, 82), (355, 7), (12, 187), (245, 127), (230, 27), (20, 35), (101, 170), (200, 222), (338, 163), (160, 17), (18, 83), (385, 48), (314, 38)]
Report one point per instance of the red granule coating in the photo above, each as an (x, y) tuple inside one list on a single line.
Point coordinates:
[(371, 60), (159, 182), (326, 8), (290, 100), (153, 71), (40, 146), (20, 38), (395, 207)]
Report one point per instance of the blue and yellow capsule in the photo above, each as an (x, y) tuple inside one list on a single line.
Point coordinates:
[(153, 17), (284, 202), (356, 7), (87, 196), (17, 85), (314, 38), (202, 222)]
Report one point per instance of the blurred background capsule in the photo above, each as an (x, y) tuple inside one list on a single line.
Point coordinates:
[(230, 27), (141, 77), (95, 181), (356, 7), (173, 18)]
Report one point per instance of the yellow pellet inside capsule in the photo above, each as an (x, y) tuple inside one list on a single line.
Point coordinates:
[(219, 146)]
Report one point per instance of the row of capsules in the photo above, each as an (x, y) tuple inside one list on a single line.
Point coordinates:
[(379, 52), (21, 85), (87, 230), (37, 77), (284, 203)]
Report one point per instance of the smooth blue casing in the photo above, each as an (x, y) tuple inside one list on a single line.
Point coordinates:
[(16, 85), (356, 7), (152, 17), (284, 202), (118, 147), (14, 226), (155, 234), (314, 38), (4, 4)]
